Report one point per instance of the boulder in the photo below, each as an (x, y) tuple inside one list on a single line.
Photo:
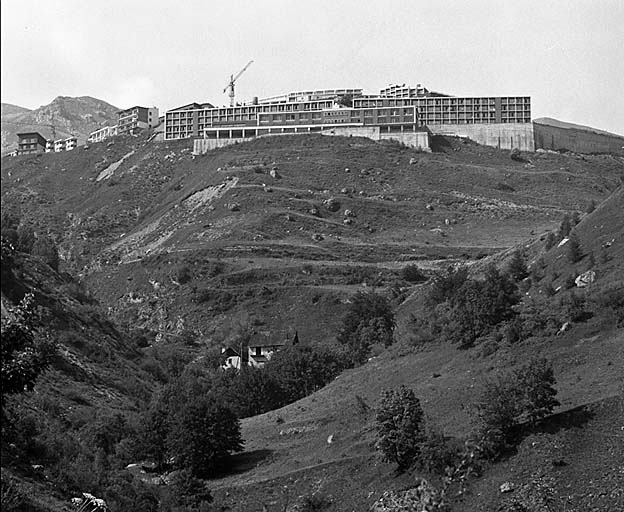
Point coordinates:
[(332, 204), (274, 174), (506, 487), (233, 207), (585, 279), (349, 213)]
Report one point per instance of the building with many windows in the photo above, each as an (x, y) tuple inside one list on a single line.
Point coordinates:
[(102, 134), (137, 117), (30, 142), (397, 110)]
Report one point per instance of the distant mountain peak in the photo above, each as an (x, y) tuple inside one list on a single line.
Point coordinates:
[(69, 115)]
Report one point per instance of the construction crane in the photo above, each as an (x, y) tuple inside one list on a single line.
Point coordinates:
[(233, 79)]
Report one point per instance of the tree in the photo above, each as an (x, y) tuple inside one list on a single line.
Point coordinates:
[(535, 382), (565, 227), (445, 284), (25, 351), (301, 370), (527, 393), (203, 434), (366, 308), (400, 429), (575, 253), (517, 267)]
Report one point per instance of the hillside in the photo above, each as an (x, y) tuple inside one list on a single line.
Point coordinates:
[(128, 214), (562, 124), (70, 116), (275, 235)]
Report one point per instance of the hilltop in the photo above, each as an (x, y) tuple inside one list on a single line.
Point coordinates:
[(70, 116), (562, 124), (275, 235)]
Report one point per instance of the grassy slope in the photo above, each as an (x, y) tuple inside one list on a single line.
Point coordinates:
[(495, 202)]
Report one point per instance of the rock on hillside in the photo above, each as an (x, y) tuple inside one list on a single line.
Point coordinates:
[(78, 116)]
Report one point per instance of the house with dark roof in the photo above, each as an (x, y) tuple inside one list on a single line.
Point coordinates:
[(30, 142)]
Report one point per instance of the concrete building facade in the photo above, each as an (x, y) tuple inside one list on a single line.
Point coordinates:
[(137, 117), (102, 134), (397, 109)]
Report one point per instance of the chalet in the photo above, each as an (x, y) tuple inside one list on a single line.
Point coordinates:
[(232, 358), (261, 351)]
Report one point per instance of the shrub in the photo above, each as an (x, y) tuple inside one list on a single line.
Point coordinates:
[(611, 301), (591, 206), (550, 241), (399, 422), (528, 393), (445, 284), (370, 316), (182, 274), (516, 155), (412, 274), (45, 249)]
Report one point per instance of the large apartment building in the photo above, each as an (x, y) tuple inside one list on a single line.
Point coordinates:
[(137, 117), (436, 108), (317, 111), (397, 107), (127, 122)]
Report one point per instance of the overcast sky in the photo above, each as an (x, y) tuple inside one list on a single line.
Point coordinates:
[(567, 55)]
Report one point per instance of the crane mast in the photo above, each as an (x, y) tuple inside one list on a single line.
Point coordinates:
[(233, 79)]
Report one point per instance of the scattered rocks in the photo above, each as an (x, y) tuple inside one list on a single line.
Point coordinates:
[(429, 207), (585, 279), (349, 213), (314, 211), (233, 207), (317, 237), (413, 161), (275, 175), (348, 221)]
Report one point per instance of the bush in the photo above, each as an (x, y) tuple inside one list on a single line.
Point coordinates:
[(412, 274), (526, 394), (370, 319), (45, 249), (399, 422), (516, 155), (445, 284), (550, 241)]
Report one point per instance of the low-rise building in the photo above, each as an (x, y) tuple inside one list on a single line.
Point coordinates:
[(30, 142), (102, 134)]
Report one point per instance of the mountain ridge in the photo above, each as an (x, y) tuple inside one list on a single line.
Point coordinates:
[(77, 116)]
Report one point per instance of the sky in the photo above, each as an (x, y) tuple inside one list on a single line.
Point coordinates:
[(567, 55)]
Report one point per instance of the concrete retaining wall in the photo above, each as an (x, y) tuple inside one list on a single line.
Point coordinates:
[(201, 146), (498, 135), (418, 140), (579, 141)]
